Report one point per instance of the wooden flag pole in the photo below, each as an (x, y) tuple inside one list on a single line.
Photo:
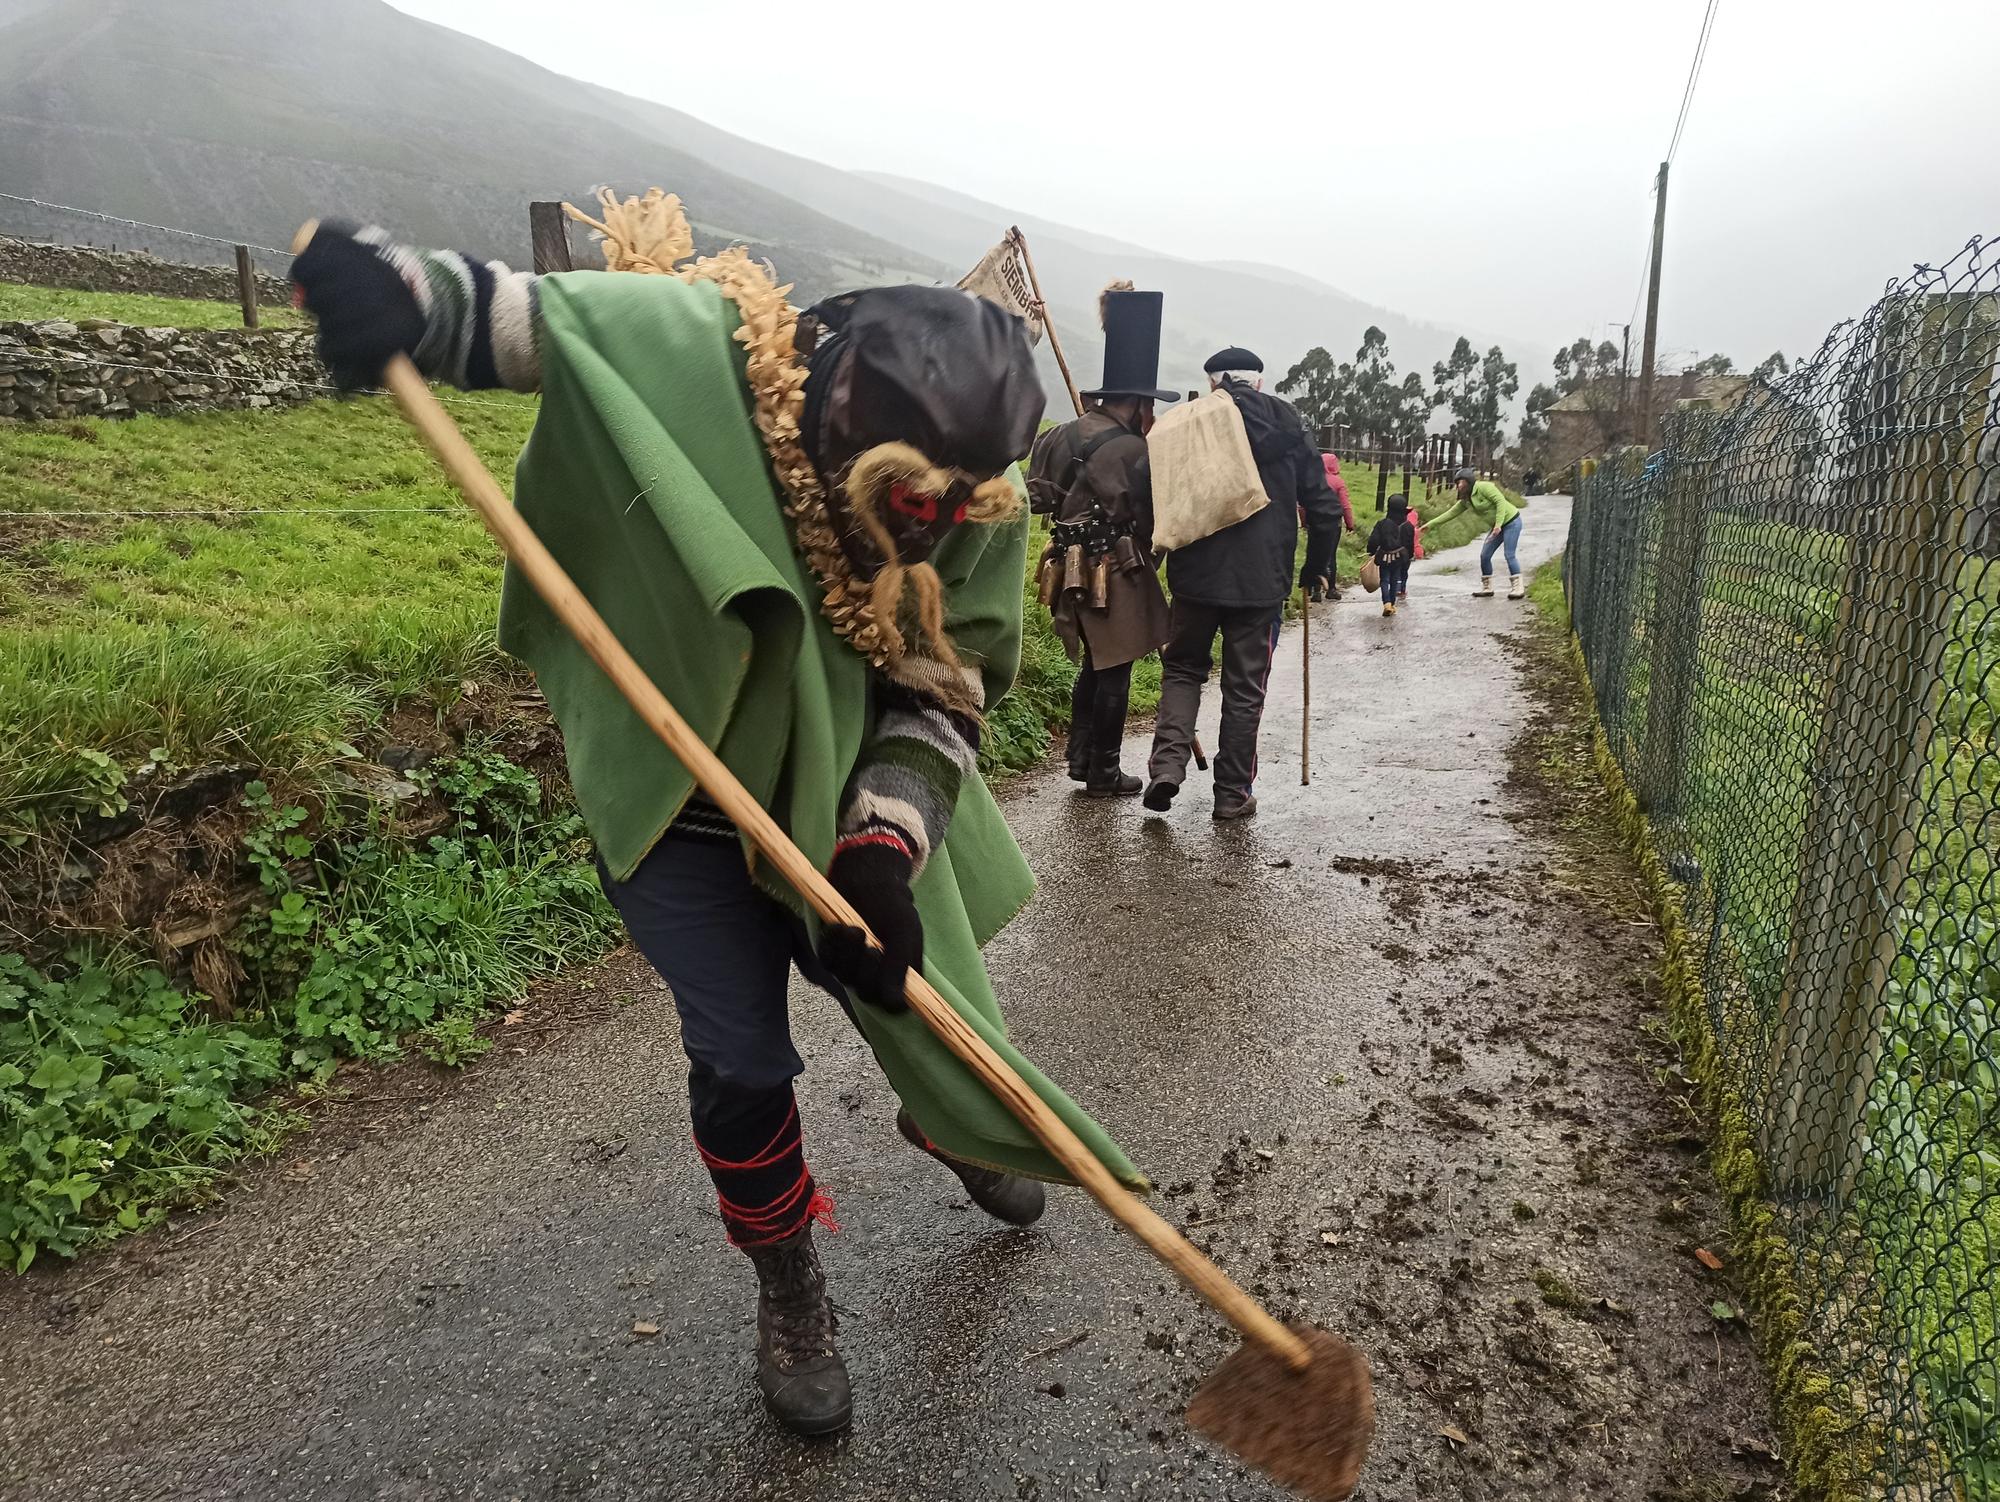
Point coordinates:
[(1048, 322)]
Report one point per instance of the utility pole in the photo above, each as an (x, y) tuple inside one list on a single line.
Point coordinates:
[(1652, 313)]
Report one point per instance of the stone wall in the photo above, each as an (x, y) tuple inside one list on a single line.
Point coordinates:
[(93, 368), (85, 270)]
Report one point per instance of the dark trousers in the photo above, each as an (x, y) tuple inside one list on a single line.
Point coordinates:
[(726, 951), (1249, 637), (1097, 706), (1395, 580)]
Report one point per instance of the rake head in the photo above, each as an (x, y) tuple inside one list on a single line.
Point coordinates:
[(1308, 1429)]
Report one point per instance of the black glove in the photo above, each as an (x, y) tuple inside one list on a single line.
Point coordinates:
[(365, 310), (876, 879)]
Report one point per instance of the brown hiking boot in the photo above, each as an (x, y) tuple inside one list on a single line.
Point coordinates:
[(1004, 1196), (801, 1375), (1234, 808)]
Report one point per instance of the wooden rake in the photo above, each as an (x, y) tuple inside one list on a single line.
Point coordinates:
[(1295, 1402)]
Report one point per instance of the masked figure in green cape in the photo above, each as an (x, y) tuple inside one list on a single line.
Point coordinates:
[(807, 529)]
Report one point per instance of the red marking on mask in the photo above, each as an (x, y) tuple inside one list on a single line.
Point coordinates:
[(914, 504)]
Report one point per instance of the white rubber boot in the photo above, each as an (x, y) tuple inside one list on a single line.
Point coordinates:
[(1485, 590), (1516, 590)]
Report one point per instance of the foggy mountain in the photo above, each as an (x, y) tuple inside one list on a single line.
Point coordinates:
[(241, 118)]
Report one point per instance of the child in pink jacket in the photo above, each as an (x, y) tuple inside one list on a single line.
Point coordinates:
[(1339, 488)]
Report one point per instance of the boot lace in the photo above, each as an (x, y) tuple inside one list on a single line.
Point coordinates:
[(801, 1321)]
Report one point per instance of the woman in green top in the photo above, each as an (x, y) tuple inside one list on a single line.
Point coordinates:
[(1490, 504)]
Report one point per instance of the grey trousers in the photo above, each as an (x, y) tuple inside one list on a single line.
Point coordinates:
[(1249, 637)]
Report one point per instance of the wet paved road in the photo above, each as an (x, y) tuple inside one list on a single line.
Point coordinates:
[(444, 1306)]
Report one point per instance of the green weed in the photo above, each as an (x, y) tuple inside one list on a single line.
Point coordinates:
[(121, 1098)]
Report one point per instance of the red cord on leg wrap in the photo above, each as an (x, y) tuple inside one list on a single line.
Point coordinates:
[(766, 1196)]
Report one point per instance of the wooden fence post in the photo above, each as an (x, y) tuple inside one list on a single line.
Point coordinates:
[(548, 233), (246, 286), (1933, 383)]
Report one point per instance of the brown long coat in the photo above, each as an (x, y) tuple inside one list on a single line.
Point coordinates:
[(1134, 620)]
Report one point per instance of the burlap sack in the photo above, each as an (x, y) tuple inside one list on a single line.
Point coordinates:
[(1371, 576), (1204, 478)]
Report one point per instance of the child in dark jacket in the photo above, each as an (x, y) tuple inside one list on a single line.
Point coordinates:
[(1391, 545)]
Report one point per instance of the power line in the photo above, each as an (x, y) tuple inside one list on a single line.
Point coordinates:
[(165, 229), (1694, 77)]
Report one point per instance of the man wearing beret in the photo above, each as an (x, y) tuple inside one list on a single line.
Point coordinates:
[(1233, 584)]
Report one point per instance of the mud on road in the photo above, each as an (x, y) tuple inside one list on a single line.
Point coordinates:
[(1393, 1052)]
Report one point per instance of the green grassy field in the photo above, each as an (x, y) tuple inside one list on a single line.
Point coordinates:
[(270, 638), (28, 304)]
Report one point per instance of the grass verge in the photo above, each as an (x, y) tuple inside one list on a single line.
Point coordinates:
[(30, 304), (1826, 1447), (125, 1094)]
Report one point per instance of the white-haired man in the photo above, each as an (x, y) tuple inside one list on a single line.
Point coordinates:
[(1233, 584)]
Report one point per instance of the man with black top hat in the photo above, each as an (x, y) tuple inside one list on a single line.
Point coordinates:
[(1233, 583), (1090, 476)]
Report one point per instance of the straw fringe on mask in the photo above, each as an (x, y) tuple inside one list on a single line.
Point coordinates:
[(651, 234), (1104, 297)]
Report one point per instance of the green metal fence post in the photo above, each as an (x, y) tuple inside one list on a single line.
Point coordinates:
[(1674, 626)]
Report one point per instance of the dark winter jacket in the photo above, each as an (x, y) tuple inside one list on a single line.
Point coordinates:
[(1394, 540), (1250, 564)]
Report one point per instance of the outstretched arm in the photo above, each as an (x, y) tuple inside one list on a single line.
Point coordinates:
[(473, 324)]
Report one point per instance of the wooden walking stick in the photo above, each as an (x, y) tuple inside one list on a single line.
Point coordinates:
[(1296, 1402), (1306, 672)]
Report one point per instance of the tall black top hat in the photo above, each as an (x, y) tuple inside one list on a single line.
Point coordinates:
[(1132, 347)]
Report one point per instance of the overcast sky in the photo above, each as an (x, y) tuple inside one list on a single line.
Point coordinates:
[(1462, 161)]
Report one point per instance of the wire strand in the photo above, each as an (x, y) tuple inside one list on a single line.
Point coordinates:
[(165, 229), (1694, 77)]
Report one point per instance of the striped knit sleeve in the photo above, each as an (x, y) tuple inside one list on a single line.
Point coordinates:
[(906, 780), (482, 322)]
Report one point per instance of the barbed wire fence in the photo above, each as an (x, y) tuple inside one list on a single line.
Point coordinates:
[(1790, 615), (67, 224)]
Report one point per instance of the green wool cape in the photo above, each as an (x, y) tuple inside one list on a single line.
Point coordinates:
[(647, 479)]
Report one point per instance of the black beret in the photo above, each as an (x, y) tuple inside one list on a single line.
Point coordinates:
[(1233, 358)]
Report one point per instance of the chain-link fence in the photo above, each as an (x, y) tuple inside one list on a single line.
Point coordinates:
[(1791, 618)]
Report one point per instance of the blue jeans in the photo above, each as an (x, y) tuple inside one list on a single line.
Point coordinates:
[(1395, 580), (1510, 538)]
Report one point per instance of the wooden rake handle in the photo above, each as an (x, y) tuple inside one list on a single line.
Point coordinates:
[(541, 570)]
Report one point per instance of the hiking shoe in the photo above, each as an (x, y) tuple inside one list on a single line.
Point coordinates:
[(1160, 795), (801, 1375), (1120, 785), (1234, 808), (1515, 590), (1485, 590), (1389, 609), (1004, 1196)]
